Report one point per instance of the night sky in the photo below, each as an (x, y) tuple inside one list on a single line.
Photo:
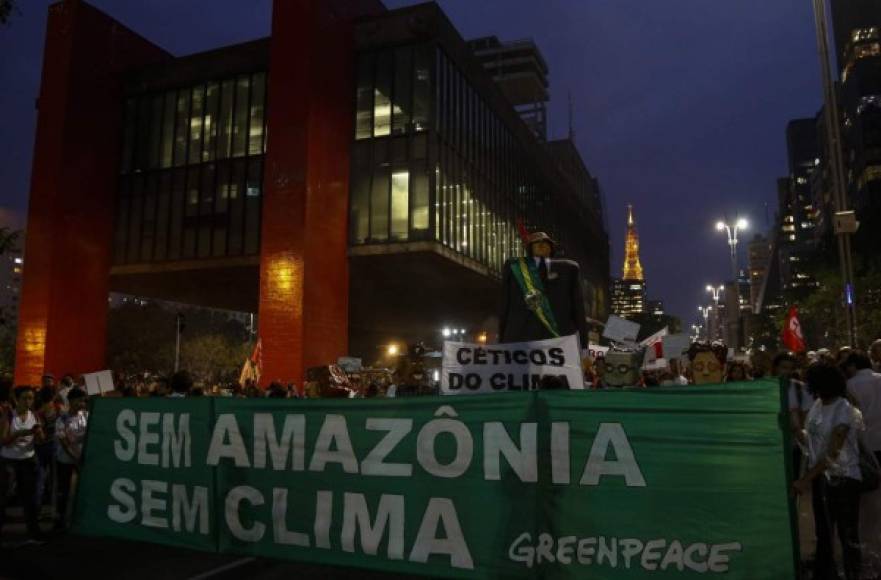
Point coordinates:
[(680, 105)]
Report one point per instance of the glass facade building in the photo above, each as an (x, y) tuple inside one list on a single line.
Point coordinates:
[(191, 171), (436, 159)]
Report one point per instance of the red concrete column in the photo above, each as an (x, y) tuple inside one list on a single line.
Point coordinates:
[(304, 284), (63, 314)]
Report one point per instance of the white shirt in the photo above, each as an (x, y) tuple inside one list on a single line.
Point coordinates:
[(865, 386), (799, 402), (822, 420), (71, 428), (23, 447)]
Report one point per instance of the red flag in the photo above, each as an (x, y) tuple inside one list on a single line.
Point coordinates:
[(792, 335)]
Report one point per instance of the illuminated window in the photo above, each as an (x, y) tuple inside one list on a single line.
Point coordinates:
[(867, 50), (400, 204)]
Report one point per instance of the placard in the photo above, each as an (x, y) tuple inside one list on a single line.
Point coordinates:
[(99, 383), (620, 329), (470, 368)]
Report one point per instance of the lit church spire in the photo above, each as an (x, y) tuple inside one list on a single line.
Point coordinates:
[(632, 266)]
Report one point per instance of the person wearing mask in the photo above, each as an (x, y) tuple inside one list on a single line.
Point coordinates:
[(20, 431), (70, 429), (833, 474)]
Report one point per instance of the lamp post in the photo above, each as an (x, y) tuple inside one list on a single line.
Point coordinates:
[(705, 312), (732, 229), (716, 291), (835, 159)]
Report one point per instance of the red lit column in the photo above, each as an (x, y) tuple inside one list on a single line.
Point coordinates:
[(304, 284), (63, 314)]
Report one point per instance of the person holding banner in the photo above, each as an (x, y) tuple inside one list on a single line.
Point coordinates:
[(542, 296), (833, 475)]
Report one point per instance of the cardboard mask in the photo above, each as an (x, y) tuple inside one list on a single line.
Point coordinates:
[(622, 368)]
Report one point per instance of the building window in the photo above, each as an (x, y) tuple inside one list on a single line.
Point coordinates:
[(400, 204), (382, 102), (379, 204), (180, 194), (364, 98)]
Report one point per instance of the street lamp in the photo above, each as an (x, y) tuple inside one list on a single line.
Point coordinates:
[(716, 291), (392, 349), (732, 229), (705, 312)]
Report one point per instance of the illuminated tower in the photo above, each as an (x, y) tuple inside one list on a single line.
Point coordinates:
[(628, 292), (632, 267)]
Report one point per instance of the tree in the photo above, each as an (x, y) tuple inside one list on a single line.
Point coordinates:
[(822, 312), (8, 319), (141, 338)]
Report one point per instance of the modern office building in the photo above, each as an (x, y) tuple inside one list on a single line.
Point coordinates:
[(356, 179), (798, 211), (857, 29), (520, 70)]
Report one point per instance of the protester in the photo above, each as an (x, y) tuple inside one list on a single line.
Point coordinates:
[(737, 372), (20, 430), (181, 385), (799, 401), (70, 429), (864, 386), (66, 385), (678, 378), (875, 355), (276, 391), (834, 472), (47, 409)]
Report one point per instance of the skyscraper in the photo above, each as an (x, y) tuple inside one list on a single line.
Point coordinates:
[(628, 292), (857, 28)]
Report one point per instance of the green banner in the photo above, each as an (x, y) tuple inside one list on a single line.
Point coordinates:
[(680, 482)]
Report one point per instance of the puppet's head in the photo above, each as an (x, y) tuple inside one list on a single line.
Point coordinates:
[(707, 362), (622, 369)]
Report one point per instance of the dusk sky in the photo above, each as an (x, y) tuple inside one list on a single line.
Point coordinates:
[(680, 105)]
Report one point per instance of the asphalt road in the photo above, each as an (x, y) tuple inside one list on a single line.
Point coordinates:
[(70, 556)]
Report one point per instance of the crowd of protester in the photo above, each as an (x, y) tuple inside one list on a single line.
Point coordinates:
[(834, 401)]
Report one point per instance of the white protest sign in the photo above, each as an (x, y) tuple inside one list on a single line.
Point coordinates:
[(675, 345), (349, 364), (596, 351), (620, 330), (478, 368), (99, 383)]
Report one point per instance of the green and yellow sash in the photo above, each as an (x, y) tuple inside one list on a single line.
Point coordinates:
[(533, 293)]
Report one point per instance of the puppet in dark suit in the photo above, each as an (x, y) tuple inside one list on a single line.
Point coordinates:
[(519, 320)]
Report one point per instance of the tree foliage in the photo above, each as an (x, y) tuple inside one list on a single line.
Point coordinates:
[(141, 338), (8, 243), (822, 312)]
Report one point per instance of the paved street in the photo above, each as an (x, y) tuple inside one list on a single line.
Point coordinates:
[(99, 559)]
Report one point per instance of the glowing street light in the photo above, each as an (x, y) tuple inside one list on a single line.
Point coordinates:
[(732, 229), (393, 349), (716, 291), (705, 312)]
